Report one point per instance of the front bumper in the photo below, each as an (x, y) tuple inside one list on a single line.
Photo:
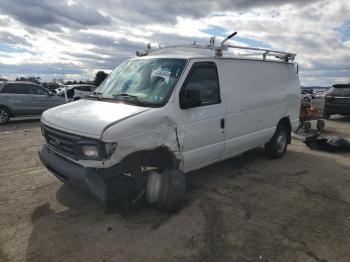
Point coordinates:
[(95, 181)]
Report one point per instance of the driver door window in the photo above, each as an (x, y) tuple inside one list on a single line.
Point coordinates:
[(204, 77)]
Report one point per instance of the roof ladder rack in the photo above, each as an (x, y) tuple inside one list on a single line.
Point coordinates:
[(219, 50)]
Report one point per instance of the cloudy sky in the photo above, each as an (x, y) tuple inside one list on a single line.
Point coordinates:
[(72, 39)]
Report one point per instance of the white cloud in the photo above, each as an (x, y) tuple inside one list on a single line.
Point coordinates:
[(310, 30)]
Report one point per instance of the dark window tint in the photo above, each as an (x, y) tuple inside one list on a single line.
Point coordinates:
[(36, 90), (341, 86), (204, 77), (14, 89)]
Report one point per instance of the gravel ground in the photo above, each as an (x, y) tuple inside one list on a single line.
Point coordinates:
[(245, 209)]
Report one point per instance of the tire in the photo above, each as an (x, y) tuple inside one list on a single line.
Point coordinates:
[(307, 127), (320, 125), (4, 115), (277, 146), (306, 99), (166, 190)]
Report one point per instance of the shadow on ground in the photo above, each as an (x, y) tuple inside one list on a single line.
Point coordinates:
[(243, 209), (21, 124)]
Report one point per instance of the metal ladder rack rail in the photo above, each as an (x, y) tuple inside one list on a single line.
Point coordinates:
[(266, 52), (219, 50), (150, 50)]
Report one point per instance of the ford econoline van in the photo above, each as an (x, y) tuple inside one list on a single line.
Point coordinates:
[(170, 111)]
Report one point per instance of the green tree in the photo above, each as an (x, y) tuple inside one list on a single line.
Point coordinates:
[(99, 77)]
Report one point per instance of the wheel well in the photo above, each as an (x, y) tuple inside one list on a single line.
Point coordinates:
[(160, 157), (8, 109), (285, 121)]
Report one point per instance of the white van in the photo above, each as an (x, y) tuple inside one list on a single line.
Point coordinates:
[(170, 111)]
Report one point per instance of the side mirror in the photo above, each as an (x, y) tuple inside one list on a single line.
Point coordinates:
[(51, 93), (190, 98)]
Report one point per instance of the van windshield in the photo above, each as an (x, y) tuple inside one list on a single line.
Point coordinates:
[(146, 82)]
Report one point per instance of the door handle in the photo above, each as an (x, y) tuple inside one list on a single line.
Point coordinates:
[(222, 123)]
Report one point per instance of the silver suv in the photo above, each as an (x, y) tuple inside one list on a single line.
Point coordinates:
[(25, 99)]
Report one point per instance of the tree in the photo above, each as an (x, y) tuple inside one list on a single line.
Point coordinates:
[(2, 79), (32, 79), (99, 77)]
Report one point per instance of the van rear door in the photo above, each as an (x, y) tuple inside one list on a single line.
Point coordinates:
[(201, 127)]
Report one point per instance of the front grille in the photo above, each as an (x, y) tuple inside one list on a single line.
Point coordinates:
[(61, 142)]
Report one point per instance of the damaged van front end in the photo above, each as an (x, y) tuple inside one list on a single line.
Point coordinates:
[(88, 162), (120, 134)]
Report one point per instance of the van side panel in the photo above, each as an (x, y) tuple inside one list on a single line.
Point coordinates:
[(258, 95)]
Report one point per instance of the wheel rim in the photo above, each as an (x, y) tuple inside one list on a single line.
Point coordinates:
[(3, 116), (281, 142)]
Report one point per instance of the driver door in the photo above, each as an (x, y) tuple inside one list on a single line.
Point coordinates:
[(201, 128)]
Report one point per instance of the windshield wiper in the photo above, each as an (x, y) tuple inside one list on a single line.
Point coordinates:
[(95, 95), (130, 98)]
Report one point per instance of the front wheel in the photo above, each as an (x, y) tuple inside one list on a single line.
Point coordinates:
[(277, 146), (4, 115), (166, 190)]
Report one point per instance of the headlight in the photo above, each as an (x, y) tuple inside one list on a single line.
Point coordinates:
[(90, 151)]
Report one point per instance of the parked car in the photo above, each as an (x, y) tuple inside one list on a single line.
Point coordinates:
[(51, 86), (167, 113), (76, 92), (320, 95), (337, 100), (25, 98)]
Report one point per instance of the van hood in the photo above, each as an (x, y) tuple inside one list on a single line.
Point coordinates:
[(89, 117)]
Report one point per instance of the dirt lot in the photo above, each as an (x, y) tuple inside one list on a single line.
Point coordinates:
[(244, 209)]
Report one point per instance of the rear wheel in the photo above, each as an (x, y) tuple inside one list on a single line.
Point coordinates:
[(4, 115), (166, 190), (277, 146)]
